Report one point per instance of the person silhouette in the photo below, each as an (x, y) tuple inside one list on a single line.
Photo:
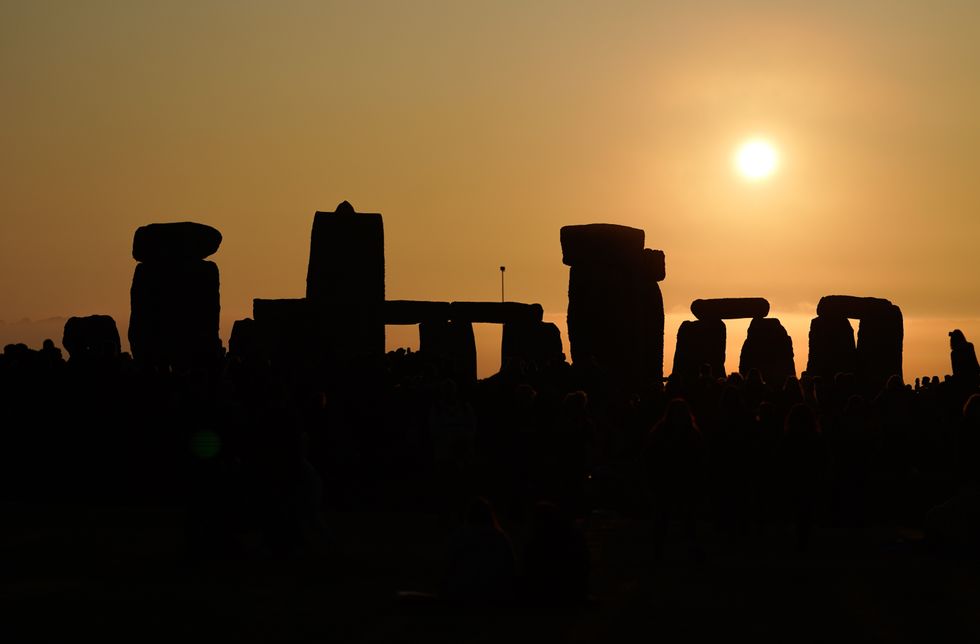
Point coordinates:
[(804, 461), (674, 460), (482, 569), (953, 527)]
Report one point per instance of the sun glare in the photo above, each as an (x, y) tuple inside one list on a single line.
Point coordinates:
[(756, 159)]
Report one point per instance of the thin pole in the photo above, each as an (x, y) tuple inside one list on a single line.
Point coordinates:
[(502, 269)]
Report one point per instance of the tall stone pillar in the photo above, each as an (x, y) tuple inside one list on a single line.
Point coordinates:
[(652, 271), (537, 342), (769, 349), (615, 308), (283, 336), (175, 299), (832, 348), (453, 345), (879, 346), (699, 343), (345, 285)]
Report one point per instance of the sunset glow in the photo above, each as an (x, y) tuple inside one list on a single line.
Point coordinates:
[(249, 117), (756, 159)]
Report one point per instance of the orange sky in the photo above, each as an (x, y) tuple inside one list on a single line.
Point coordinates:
[(479, 130)]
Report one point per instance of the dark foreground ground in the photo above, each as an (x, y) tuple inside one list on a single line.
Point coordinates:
[(116, 574)]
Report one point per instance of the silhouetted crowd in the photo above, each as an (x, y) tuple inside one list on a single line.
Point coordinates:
[(259, 458)]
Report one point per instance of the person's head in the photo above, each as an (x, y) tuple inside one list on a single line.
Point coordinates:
[(821, 389), (735, 379), (792, 391), (678, 415), (894, 384), (855, 406), (845, 382)]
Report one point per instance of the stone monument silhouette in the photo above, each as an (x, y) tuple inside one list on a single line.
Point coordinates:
[(175, 300), (615, 307)]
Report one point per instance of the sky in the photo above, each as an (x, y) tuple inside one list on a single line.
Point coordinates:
[(479, 129)]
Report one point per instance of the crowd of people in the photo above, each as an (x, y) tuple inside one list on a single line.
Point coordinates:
[(259, 458)]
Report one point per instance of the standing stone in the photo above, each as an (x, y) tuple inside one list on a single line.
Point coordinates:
[(284, 332), (345, 284), (600, 324), (650, 333), (535, 342), (880, 338), (452, 345), (654, 265), (243, 342), (615, 308), (769, 349), (699, 343), (91, 337), (463, 350), (175, 297), (434, 337), (832, 348)]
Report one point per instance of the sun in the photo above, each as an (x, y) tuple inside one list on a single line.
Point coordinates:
[(756, 159)]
